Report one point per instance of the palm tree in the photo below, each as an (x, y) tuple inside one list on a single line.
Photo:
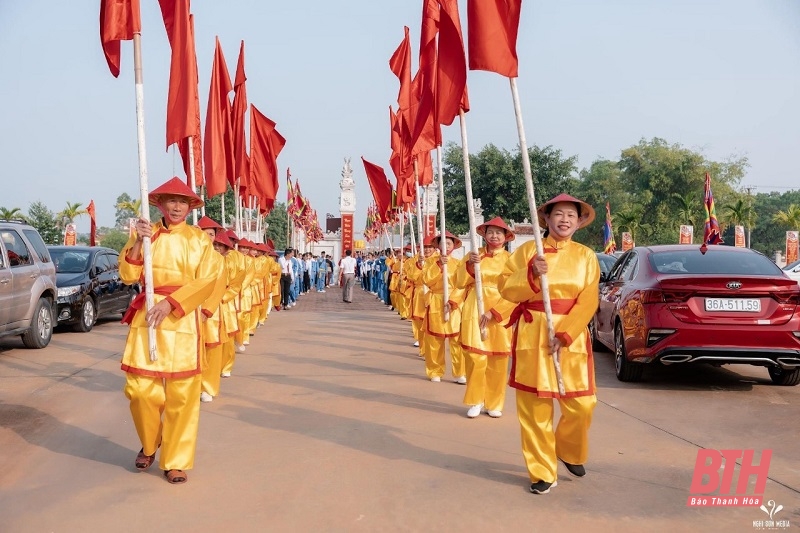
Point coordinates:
[(630, 219), (789, 218), (687, 207), (133, 206), (740, 213), (71, 212), (15, 213)]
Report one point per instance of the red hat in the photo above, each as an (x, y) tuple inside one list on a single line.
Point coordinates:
[(261, 247), (232, 235), (244, 243), (447, 235), (175, 187), (587, 211), (208, 223), (497, 222), (407, 248), (428, 242), (222, 238), (272, 252), (270, 244)]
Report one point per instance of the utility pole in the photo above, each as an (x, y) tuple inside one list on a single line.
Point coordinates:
[(749, 190)]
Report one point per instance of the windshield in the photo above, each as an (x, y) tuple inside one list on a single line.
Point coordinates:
[(725, 263), (792, 266), (70, 262)]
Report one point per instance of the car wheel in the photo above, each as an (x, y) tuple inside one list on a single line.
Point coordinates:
[(87, 318), (41, 330), (626, 371), (781, 376)]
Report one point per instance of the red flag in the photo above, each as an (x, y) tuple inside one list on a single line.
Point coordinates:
[(93, 224), (711, 231), (119, 20), (241, 169), (218, 147), (381, 188), (289, 189), (425, 167), (429, 129), (265, 146), (493, 27), (400, 64), (451, 79)]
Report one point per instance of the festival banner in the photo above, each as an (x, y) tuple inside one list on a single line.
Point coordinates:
[(71, 235), (686, 235), (738, 239), (791, 246), (627, 241)]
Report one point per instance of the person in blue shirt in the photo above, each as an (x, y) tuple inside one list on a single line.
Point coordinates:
[(298, 279), (312, 271), (322, 273)]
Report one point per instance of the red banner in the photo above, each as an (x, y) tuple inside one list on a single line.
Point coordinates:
[(71, 235), (627, 241), (687, 234), (347, 232), (738, 239), (430, 225), (791, 246)]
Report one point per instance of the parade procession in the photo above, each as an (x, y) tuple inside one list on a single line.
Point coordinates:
[(462, 346)]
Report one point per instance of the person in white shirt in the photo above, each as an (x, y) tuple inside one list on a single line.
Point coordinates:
[(348, 268), (287, 276)]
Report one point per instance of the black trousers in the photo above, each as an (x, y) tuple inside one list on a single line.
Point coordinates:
[(306, 282), (286, 286)]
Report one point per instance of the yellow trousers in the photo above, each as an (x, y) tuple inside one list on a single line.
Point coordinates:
[(417, 326), (254, 314), (487, 377), (166, 411), (228, 356), (434, 356), (541, 447), (266, 305), (405, 305), (212, 369)]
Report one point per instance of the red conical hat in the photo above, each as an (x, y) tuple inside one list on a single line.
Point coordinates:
[(587, 211), (428, 242), (208, 223), (175, 187), (497, 222), (447, 235), (244, 243), (232, 235), (222, 238)]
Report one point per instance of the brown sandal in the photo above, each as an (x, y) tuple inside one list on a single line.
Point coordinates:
[(175, 477), (143, 461)]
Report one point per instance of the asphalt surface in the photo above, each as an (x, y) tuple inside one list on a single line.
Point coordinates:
[(328, 424)]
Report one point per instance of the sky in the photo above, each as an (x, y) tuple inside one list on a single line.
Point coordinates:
[(722, 77)]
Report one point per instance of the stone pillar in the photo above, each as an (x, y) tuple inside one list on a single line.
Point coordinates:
[(430, 209), (347, 205)]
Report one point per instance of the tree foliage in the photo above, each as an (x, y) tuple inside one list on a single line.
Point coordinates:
[(277, 223), (115, 239), (45, 222), (15, 213)]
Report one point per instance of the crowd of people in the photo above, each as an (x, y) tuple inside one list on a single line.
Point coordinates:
[(213, 290)]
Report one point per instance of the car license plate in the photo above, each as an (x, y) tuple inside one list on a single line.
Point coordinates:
[(746, 305)]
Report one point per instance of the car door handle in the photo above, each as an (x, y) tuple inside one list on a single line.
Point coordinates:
[(4, 281)]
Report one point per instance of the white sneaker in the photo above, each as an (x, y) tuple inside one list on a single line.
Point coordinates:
[(240, 348), (436, 379), (245, 343), (206, 397), (226, 374), (416, 344), (323, 290), (495, 414), (474, 411), (461, 380)]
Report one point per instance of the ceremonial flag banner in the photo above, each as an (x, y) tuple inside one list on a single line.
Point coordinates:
[(739, 236), (92, 224), (711, 232), (791, 246), (239, 109), (119, 20), (182, 96), (686, 234), (265, 146), (627, 241), (451, 81), (381, 189), (609, 246), (492, 31), (218, 147)]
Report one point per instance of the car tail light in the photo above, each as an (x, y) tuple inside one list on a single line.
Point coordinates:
[(659, 296), (656, 334), (787, 297)]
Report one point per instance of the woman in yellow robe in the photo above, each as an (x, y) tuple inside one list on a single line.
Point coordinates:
[(573, 275), (164, 393), (437, 329), (486, 360)]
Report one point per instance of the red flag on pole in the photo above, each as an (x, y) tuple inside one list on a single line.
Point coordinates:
[(430, 133), (493, 27), (400, 64), (711, 232), (218, 147), (451, 79), (381, 188), (265, 146), (93, 224), (183, 97), (119, 20), (241, 169)]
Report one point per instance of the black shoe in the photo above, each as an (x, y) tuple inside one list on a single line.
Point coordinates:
[(575, 470), (542, 487)]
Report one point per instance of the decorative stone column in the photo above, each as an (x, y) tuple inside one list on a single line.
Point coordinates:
[(347, 205), (430, 209)]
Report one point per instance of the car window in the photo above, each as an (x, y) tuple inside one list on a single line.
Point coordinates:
[(792, 266), (38, 244), (101, 263), (630, 268), (678, 262), (113, 261), (70, 262), (2, 258), (615, 272), (18, 253)]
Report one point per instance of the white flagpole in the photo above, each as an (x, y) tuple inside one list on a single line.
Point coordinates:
[(192, 176), (143, 188), (238, 209), (411, 232), (419, 206), (222, 205), (473, 236), (442, 243), (526, 167)]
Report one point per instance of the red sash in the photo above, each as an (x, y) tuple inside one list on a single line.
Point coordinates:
[(560, 306), (138, 302)]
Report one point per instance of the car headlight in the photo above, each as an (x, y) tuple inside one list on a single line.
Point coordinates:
[(68, 291)]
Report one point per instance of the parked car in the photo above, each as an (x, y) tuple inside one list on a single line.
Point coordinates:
[(89, 286), (27, 285), (674, 304), (793, 270), (606, 262)]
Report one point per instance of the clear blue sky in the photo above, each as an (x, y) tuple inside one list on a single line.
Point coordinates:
[(595, 77)]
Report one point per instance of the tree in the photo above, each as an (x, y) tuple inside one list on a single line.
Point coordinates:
[(790, 218), (739, 213), (276, 225), (71, 212), (127, 208), (598, 184), (769, 238), (115, 239), (631, 219), (214, 208), (15, 213), (45, 222)]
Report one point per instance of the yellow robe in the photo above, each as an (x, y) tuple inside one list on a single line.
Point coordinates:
[(432, 277), (573, 276), (182, 259)]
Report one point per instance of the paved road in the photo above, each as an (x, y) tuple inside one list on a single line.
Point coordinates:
[(328, 424)]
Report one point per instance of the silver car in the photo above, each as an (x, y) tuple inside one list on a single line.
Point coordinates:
[(27, 285)]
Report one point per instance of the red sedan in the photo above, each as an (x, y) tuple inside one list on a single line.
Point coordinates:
[(673, 304)]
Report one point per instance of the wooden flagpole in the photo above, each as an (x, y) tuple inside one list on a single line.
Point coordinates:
[(473, 236), (143, 188), (420, 237), (192, 177), (526, 168), (222, 205), (442, 243)]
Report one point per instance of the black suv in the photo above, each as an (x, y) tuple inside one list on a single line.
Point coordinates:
[(27, 285)]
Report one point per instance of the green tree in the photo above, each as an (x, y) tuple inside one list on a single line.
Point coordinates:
[(214, 208), (45, 222), (739, 213), (15, 213), (790, 218), (115, 239), (631, 219), (598, 185), (71, 212), (276, 225), (127, 208), (769, 238)]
